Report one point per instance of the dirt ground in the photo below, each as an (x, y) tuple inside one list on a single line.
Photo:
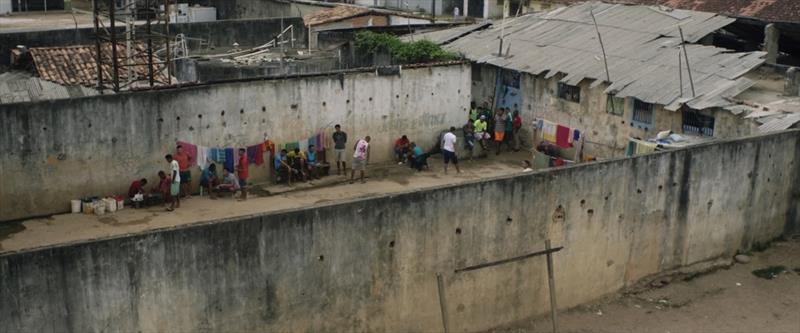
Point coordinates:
[(384, 179), (728, 300)]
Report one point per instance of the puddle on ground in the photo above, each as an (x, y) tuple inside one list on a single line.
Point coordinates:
[(111, 220), (9, 229)]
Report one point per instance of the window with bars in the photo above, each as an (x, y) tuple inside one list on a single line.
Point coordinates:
[(698, 124), (615, 105), (643, 114), (569, 92)]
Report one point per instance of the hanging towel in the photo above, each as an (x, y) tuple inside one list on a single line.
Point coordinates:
[(259, 155), (229, 159), (548, 131), (190, 150), (217, 155), (562, 137), (645, 147), (252, 151), (202, 156), (576, 135)]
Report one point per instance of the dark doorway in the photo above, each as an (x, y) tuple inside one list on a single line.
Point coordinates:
[(475, 8)]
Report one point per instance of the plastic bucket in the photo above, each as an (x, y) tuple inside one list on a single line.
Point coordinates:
[(100, 209), (76, 206), (111, 204)]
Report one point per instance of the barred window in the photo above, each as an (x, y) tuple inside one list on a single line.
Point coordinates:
[(569, 92)]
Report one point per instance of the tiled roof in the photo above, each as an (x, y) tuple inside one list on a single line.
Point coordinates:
[(334, 14), (769, 10), (75, 65)]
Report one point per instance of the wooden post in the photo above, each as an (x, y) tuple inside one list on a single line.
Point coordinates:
[(552, 284), (442, 302)]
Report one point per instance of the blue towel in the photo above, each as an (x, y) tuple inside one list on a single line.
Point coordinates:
[(576, 135), (229, 159)]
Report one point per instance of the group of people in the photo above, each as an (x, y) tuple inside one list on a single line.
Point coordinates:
[(484, 126), (175, 185), (295, 165)]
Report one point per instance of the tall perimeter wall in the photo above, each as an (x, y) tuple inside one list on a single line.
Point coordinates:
[(370, 264), (59, 150)]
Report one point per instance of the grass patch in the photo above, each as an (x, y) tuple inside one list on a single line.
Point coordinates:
[(770, 272)]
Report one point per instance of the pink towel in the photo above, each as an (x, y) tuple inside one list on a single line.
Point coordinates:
[(190, 150), (562, 137)]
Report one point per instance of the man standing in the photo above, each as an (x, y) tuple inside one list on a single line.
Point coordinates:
[(243, 169), (499, 129), (339, 148), (449, 149), (175, 186), (517, 125), (185, 174), (360, 158)]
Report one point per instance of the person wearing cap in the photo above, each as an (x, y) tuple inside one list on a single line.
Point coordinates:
[(480, 126)]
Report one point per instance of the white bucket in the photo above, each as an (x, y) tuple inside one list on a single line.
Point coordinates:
[(120, 204), (76, 206), (100, 208), (111, 204)]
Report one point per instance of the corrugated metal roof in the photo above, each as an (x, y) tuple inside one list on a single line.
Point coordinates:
[(642, 44), (770, 10), (75, 65), (445, 36)]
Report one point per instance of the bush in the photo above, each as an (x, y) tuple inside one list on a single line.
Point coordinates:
[(402, 52)]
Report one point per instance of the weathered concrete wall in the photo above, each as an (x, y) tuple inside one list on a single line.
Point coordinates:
[(66, 149), (238, 9), (370, 264), (251, 32)]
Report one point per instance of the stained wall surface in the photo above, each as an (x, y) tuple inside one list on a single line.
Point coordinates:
[(370, 264), (67, 149)]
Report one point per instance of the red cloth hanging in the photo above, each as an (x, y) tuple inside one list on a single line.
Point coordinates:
[(562, 137), (259, 160)]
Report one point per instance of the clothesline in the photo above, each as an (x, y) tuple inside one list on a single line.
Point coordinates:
[(200, 155), (561, 135)]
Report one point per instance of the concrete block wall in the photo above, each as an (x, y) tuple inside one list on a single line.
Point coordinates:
[(370, 264), (66, 149)]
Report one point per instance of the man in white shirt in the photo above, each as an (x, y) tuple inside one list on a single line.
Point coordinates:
[(449, 149), (175, 186), (360, 158)]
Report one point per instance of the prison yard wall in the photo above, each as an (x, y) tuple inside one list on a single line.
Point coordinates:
[(67, 149), (370, 264), (246, 32)]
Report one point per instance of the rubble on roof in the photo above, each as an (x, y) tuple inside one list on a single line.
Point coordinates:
[(19, 87), (76, 65), (333, 14), (642, 45), (773, 116)]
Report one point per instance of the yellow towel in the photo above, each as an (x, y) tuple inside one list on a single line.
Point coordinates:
[(548, 131)]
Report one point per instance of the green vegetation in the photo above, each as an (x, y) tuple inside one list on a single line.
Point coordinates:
[(405, 53), (770, 272)]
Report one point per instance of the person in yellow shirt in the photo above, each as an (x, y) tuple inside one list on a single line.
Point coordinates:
[(480, 131)]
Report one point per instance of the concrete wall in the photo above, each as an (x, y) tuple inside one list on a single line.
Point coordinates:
[(68, 149), (239, 9), (370, 264), (219, 33)]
